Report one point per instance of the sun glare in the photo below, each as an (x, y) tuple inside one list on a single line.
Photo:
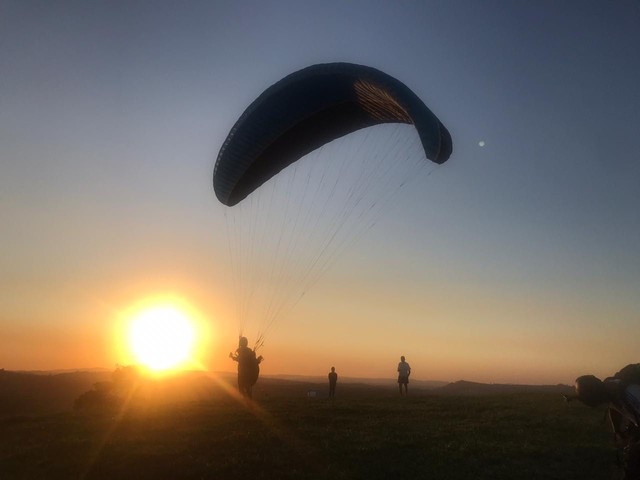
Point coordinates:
[(161, 338)]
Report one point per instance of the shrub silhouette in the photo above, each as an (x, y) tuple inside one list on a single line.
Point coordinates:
[(99, 398), (109, 395)]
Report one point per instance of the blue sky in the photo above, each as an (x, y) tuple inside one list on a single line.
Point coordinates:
[(112, 114)]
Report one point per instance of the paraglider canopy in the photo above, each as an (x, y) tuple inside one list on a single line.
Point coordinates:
[(312, 107), (308, 167)]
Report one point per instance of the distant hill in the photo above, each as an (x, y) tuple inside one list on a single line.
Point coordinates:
[(65, 370), (23, 393), (422, 384), (463, 387)]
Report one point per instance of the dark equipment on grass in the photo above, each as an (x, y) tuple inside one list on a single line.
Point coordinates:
[(622, 394)]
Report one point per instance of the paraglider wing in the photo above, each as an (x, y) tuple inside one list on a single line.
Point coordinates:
[(309, 108)]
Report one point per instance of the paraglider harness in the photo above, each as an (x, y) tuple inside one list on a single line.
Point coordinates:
[(252, 368), (248, 365)]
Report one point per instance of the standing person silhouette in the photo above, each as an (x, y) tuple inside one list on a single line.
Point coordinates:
[(404, 370), (333, 379), (248, 367)]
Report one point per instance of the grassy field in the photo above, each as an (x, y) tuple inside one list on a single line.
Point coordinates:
[(358, 436)]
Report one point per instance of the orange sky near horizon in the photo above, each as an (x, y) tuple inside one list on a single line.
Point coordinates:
[(355, 332)]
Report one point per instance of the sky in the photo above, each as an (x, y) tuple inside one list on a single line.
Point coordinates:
[(516, 261)]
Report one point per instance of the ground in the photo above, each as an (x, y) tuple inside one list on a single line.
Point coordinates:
[(365, 434)]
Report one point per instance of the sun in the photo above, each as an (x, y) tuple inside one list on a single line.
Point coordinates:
[(161, 338)]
